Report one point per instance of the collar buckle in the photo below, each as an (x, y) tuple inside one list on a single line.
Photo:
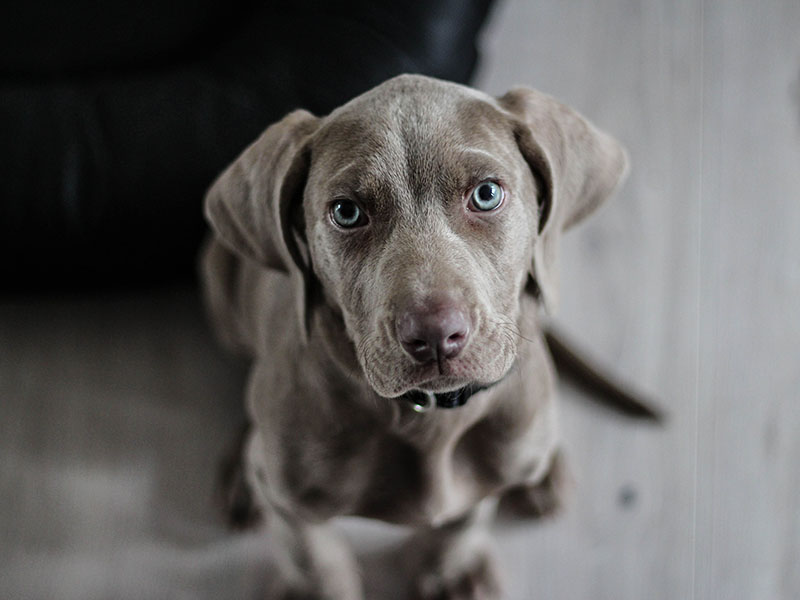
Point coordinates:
[(422, 402)]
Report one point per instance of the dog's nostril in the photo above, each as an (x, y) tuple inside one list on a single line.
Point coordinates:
[(452, 345)]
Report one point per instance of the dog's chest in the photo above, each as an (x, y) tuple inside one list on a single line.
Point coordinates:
[(426, 477), (425, 485)]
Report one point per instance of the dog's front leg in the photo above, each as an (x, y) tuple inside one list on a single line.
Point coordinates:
[(543, 498), (315, 562), (456, 560)]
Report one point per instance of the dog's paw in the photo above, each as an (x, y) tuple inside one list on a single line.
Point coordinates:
[(478, 580), (546, 498)]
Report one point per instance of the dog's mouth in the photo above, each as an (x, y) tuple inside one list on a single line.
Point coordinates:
[(446, 385), (424, 400)]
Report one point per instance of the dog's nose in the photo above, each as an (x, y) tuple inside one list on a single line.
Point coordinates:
[(435, 332)]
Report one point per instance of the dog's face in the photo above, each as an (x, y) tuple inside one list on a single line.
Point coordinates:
[(421, 209), (418, 203)]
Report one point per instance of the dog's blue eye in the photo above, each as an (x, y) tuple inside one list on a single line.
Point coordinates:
[(347, 214), (486, 196)]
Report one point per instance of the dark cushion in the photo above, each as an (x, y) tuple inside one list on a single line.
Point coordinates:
[(115, 122)]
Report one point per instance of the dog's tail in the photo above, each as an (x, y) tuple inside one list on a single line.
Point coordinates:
[(602, 386)]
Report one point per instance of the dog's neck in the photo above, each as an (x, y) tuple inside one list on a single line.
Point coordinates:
[(423, 401)]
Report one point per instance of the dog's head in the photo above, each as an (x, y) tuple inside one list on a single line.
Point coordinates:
[(422, 212)]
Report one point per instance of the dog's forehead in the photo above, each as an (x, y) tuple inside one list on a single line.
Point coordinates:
[(409, 124)]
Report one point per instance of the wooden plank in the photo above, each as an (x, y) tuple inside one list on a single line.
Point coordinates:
[(751, 302), (688, 282), (630, 289)]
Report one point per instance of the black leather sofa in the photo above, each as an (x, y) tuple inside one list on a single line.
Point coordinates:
[(115, 117)]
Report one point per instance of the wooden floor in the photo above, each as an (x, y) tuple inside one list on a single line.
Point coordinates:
[(114, 409)]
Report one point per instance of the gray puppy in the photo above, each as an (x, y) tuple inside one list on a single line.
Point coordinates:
[(384, 267)]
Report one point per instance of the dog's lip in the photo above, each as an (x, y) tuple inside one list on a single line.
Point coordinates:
[(437, 385), (440, 384), (429, 378)]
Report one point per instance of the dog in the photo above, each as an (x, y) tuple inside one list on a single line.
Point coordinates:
[(386, 267)]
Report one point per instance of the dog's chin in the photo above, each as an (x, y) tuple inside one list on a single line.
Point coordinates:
[(437, 386), (428, 378), (440, 385)]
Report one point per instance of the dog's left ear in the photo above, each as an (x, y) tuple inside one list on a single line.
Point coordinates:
[(576, 166)]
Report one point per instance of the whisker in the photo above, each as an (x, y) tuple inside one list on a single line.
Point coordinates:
[(512, 328)]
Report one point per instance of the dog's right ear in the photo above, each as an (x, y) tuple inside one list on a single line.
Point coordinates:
[(249, 205), (253, 206)]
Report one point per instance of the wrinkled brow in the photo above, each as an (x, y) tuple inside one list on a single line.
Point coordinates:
[(444, 174)]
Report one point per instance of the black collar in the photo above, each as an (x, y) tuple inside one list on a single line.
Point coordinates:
[(424, 401)]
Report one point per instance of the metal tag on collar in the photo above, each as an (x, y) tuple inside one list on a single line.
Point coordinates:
[(423, 402)]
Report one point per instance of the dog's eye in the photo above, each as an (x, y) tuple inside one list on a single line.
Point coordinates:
[(486, 196), (347, 214)]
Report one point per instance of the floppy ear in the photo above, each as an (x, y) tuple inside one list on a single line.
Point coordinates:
[(253, 205), (576, 166)]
